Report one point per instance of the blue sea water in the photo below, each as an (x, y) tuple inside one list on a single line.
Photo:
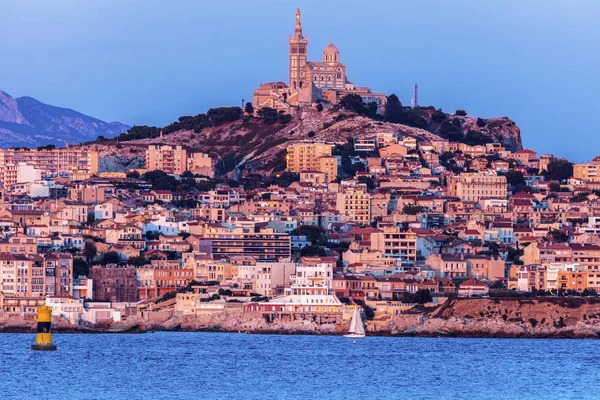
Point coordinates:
[(238, 366)]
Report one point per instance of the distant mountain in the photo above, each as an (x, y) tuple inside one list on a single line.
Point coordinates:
[(27, 122)]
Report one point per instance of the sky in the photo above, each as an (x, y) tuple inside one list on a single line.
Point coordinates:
[(147, 62)]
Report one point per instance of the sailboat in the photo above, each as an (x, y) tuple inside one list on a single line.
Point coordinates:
[(356, 326)]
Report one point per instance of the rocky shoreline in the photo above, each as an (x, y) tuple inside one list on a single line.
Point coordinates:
[(466, 318)]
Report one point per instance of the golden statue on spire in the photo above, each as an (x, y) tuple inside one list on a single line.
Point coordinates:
[(297, 16)]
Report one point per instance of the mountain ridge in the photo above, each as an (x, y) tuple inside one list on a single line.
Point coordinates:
[(28, 122)]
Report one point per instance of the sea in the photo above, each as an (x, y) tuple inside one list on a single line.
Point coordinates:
[(173, 365)]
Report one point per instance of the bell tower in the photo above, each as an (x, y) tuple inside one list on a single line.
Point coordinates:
[(298, 53)]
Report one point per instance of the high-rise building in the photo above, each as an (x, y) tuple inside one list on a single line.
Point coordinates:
[(355, 203), (171, 159), (306, 156)]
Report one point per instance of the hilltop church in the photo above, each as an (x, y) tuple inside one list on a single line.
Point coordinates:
[(311, 81)]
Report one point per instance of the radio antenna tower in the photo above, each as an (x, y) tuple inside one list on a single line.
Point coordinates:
[(415, 99)]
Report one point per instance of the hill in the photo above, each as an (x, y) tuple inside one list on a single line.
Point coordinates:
[(27, 122), (257, 144)]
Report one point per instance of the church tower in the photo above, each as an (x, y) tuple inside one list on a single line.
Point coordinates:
[(298, 54)]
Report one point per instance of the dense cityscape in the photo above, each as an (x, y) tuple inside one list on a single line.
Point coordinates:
[(389, 223)]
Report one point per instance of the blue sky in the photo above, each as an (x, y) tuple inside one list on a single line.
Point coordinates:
[(151, 61)]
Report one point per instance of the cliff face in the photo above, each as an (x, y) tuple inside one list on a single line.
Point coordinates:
[(501, 130), (257, 147), (27, 122), (535, 318)]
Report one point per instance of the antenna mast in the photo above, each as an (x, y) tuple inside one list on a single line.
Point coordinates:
[(415, 99)]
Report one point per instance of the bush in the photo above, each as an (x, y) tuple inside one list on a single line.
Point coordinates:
[(461, 113), (533, 322), (481, 123), (438, 116)]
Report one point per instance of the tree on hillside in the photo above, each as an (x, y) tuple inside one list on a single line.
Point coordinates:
[(558, 170), (353, 102), (111, 257), (268, 114), (80, 267), (314, 233), (160, 180), (249, 108), (556, 235), (367, 180), (90, 252), (423, 296), (411, 209), (461, 113), (310, 251), (138, 261), (393, 109), (515, 178)]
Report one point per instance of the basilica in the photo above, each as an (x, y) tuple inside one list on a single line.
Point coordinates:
[(311, 81)]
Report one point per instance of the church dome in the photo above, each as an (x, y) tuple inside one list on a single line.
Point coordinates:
[(331, 53)]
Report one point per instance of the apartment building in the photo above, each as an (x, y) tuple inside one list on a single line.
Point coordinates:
[(201, 164), (264, 244), (588, 171), (114, 283), (395, 243), (54, 162), (355, 203), (477, 186), (36, 275), (306, 156), (170, 159)]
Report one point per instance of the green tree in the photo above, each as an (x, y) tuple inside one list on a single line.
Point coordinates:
[(138, 261), (268, 114), (319, 107), (367, 180), (393, 109), (556, 235), (558, 170), (90, 252), (353, 102), (249, 108), (423, 296), (111, 257), (80, 267), (461, 113), (438, 116), (309, 251), (412, 209), (313, 233), (554, 187), (515, 178)]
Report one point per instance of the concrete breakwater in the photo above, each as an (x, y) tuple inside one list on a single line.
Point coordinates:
[(507, 318)]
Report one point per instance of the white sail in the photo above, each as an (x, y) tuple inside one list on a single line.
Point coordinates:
[(360, 329), (356, 325)]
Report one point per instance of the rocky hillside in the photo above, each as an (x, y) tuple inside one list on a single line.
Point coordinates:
[(457, 127), (253, 145), (26, 122), (551, 317)]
